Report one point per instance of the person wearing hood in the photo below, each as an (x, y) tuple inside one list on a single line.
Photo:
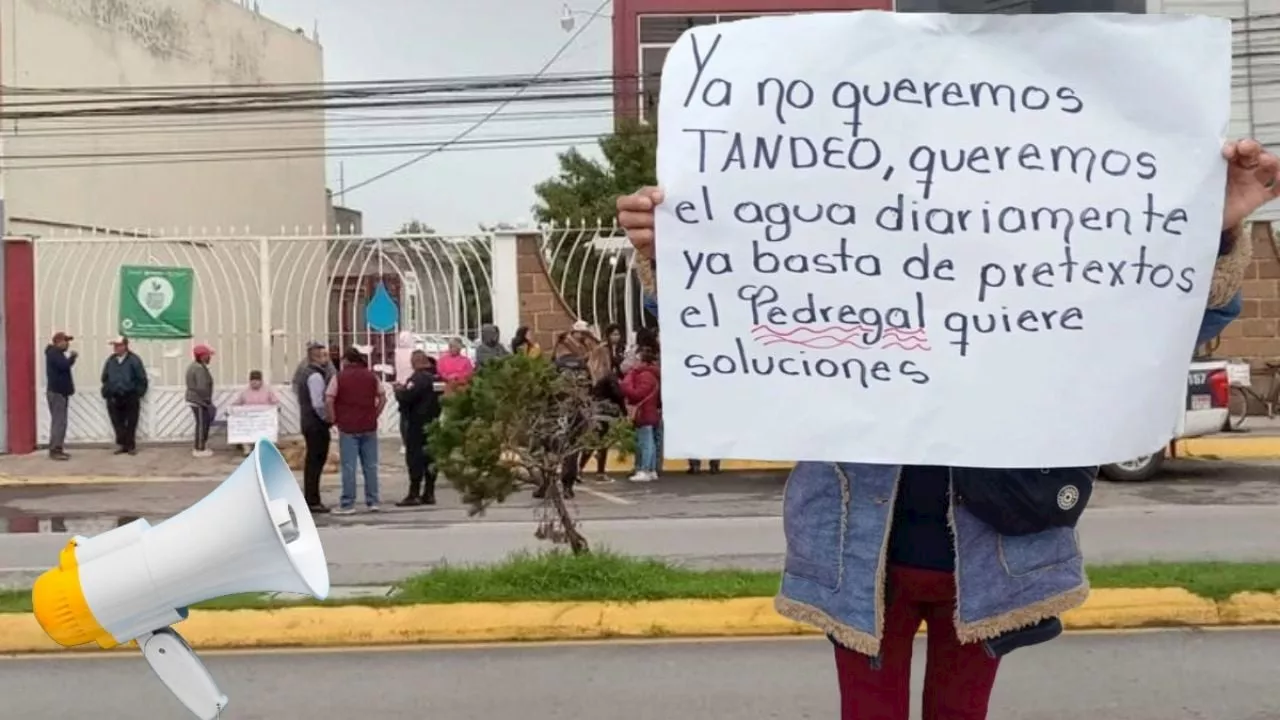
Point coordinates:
[(642, 387), (490, 347), (59, 359), (200, 398)]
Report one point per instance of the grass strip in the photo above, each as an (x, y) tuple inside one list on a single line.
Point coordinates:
[(606, 576)]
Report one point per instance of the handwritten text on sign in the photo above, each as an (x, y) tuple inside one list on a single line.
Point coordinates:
[(929, 239), (247, 424)]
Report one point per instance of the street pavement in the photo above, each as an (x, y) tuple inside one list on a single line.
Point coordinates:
[(1198, 511), (1167, 675)]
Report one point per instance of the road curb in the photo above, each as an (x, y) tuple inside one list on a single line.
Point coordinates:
[(515, 622), (1230, 447), (1235, 447)]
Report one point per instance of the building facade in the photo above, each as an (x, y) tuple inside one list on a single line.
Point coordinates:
[(142, 168), (131, 140)]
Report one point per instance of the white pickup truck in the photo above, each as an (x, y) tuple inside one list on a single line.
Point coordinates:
[(1208, 398)]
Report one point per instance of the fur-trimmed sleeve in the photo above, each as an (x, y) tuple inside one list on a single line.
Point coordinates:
[(648, 282), (1228, 272)]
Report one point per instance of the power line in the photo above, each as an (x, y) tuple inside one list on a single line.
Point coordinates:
[(50, 129), (565, 141), (480, 123)]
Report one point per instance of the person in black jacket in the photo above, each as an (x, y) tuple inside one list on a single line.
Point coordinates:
[(419, 407), (124, 382), (59, 387)]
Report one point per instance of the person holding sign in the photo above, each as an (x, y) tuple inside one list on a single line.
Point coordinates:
[(988, 558)]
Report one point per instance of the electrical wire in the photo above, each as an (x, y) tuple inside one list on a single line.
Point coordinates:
[(480, 123), (275, 154)]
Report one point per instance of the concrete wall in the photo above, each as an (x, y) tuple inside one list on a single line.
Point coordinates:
[(132, 43), (169, 176)]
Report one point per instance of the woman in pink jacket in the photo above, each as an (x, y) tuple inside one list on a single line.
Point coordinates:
[(454, 366)]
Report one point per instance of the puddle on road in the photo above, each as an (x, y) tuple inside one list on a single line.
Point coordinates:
[(76, 525)]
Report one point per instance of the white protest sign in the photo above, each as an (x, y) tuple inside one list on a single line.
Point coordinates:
[(247, 424), (937, 239)]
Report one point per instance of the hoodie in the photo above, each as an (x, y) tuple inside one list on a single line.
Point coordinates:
[(490, 347)]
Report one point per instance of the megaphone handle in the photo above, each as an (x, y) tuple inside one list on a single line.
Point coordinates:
[(177, 666)]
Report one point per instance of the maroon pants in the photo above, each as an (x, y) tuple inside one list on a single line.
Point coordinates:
[(958, 678)]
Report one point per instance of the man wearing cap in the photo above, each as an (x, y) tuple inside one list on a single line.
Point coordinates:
[(309, 383), (200, 398), (124, 382), (59, 387)]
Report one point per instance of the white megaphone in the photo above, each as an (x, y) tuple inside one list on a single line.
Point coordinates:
[(252, 534)]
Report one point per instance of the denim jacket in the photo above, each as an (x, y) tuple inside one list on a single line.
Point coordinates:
[(837, 518)]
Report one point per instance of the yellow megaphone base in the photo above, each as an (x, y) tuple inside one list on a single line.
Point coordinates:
[(60, 607)]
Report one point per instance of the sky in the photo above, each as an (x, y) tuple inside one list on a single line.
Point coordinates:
[(456, 190)]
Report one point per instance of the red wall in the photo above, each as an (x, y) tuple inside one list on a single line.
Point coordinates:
[(20, 337), (626, 55)]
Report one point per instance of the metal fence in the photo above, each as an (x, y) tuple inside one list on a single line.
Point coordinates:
[(591, 266), (257, 301)]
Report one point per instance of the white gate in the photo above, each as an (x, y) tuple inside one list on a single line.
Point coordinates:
[(257, 301)]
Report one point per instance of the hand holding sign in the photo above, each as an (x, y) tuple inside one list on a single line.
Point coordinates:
[(938, 261)]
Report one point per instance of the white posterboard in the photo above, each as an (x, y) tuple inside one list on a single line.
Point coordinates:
[(247, 424), (969, 240)]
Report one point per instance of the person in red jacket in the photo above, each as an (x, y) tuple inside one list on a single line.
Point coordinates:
[(642, 387), (354, 401)]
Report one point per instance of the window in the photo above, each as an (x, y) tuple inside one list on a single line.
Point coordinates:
[(657, 33), (651, 59), (666, 29)]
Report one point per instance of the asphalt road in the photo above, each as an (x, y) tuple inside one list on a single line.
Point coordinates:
[(1200, 511), (1173, 675)]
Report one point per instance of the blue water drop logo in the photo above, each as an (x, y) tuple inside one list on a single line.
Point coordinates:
[(382, 313)]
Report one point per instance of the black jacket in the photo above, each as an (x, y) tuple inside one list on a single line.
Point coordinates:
[(57, 371), (122, 377), (608, 395), (417, 399)]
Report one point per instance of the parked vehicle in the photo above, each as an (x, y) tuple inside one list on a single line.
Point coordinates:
[(1207, 411)]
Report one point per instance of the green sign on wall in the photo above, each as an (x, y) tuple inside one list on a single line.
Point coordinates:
[(155, 302)]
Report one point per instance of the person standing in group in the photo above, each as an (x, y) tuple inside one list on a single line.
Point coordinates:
[(309, 383), (610, 403), (419, 407), (355, 399), (490, 347), (59, 359), (257, 394), (200, 398), (642, 387), (616, 342), (455, 367), (695, 467), (646, 337), (124, 383), (522, 344)]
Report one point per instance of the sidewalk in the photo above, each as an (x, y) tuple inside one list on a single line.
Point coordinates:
[(173, 463)]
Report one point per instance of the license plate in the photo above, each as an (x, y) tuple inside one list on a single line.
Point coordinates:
[(1201, 402), (1238, 374)]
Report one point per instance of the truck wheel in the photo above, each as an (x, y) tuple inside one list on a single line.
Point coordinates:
[(1139, 469)]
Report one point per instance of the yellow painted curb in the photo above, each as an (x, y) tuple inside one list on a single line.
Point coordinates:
[(1255, 447), (1251, 608), (508, 622), (1115, 609)]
